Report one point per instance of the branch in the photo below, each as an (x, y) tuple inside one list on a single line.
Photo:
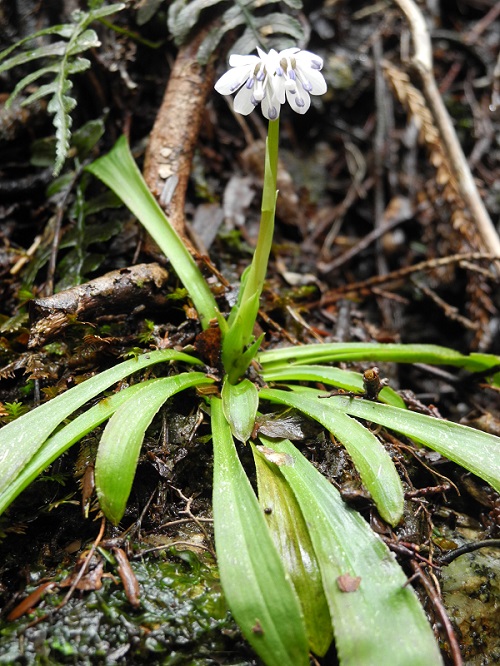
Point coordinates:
[(175, 132)]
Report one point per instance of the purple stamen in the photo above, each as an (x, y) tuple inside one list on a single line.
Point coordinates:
[(300, 102), (307, 85), (273, 113), (315, 64), (250, 83), (292, 74)]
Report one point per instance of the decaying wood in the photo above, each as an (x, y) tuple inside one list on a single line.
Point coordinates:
[(422, 62), (118, 291), (171, 145)]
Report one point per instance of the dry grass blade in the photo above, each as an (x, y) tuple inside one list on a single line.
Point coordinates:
[(457, 162)]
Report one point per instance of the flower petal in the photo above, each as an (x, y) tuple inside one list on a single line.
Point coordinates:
[(288, 53), (244, 101), (308, 59), (279, 86), (232, 80), (243, 60), (315, 79), (299, 103), (270, 107)]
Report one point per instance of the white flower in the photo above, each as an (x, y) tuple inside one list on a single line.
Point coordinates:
[(270, 79), (297, 77), (253, 76)]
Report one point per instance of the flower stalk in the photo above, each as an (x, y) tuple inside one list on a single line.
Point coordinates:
[(268, 79), (244, 314)]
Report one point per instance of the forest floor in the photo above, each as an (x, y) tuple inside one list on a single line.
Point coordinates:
[(375, 242)]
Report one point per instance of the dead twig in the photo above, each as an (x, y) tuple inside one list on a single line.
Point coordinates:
[(441, 612), (422, 62), (117, 291), (431, 264)]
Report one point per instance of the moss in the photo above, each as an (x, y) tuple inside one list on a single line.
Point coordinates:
[(182, 619)]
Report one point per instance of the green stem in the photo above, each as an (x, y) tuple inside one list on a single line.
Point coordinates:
[(258, 268), (238, 333), (120, 173)]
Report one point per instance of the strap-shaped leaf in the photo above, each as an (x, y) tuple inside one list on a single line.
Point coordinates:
[(258, 592), (377, 619), (240, 403), (63, 440), (119, 172), (291, 537), (372, 461), (21, 439), (121, 441), (361, 351), (477, 451), (347, 380)]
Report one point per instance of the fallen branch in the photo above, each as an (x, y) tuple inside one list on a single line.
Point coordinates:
[(118, 291), (167, 165)]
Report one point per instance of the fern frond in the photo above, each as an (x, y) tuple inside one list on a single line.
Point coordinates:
[(278, 29), (64, 61)]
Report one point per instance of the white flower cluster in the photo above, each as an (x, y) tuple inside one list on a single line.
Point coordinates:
[(270, 78)]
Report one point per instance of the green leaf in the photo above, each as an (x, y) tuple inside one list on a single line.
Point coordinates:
[(477, 451), (46, 51), (372, 461), (291, 537), (21, 439), (86, 137), (85, 40), (79, 38), (120, 173), (183, 16), (121, 442), (381, 622), (240, 403), (346, 380), (256, 587), (361, 351), (63, 440)]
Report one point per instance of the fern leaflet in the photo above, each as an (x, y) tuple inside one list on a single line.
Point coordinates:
[(64, 61)]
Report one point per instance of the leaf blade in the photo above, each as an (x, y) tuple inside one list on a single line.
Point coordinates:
[(382, 621), (120, 444), (291, 537), (374, 464), (56, 445), (240, 403), (344, 379), (20, 439), (265, 607)]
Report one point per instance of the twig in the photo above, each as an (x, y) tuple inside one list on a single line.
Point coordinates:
[(422, 61), (440, 610), (450, 311), (84, 566), (468, 548), (365, 242), (340, 292)]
